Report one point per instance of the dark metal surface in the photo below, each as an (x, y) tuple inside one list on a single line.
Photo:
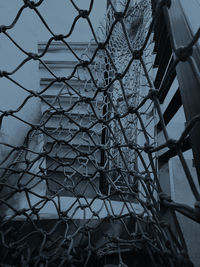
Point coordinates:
[(188, 69), (171, 109)]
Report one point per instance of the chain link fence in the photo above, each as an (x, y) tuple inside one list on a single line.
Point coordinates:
[(83, 189)]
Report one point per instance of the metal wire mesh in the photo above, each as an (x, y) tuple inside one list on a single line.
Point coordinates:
[(93, 154)]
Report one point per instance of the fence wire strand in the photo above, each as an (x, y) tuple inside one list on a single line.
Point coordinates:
[(83, 189)]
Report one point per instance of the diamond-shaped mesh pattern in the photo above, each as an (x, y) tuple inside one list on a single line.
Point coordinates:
[(83, 189)]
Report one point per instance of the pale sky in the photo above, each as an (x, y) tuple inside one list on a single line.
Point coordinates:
[(28, 32), (59, 15)]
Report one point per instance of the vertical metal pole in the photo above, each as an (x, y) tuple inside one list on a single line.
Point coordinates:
[(188, 71)]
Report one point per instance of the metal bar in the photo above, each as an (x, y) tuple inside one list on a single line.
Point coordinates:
[(160, 33), (166, 53), (171, 109), (187, 70), (186, 145), (167, 81)]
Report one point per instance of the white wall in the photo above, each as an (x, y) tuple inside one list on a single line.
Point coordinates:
[(27, 32)]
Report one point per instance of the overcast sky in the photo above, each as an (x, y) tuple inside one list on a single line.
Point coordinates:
[(28, 31), (59, 15)]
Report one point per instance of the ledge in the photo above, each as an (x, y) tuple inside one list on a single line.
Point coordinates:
[(56, 46), (75, 209)]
